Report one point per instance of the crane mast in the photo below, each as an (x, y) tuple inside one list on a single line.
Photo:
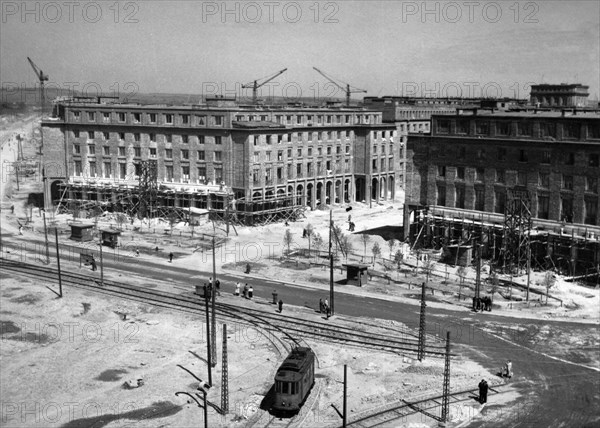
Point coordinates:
[(42, 78), (346, 89)]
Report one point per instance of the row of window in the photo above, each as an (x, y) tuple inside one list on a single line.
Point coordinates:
[(313, 119), (149, 118), (502, 154), (137, 137), (132, 171), (311, 170), (570, 130), (543, 204), (591, 182), (151, 151)]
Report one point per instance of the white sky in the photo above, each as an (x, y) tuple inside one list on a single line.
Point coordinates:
[(387, 47)]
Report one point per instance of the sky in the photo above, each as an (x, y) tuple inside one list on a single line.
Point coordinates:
[(432, 48)]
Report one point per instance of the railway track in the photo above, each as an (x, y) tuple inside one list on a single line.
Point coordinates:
[(405, 408), (275, 324)]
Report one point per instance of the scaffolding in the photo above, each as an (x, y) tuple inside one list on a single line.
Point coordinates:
[(517, 231)]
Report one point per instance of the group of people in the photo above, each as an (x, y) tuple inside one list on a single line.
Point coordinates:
[(324, 307), (248, 290), (208, 288), (483, 391), (482, 304), (507, 370)]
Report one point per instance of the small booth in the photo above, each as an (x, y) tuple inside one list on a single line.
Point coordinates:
[(198, 216), (110, 238), (82, 232), (356, 273)]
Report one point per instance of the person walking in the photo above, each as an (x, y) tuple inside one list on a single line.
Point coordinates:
[(171, 257), (509, 369), (320, 306), (485, 391), (246, 291), (481, 384), (237, 289), (250, 292), (93, 263), (326, 308), (218, 285), (280, 305)]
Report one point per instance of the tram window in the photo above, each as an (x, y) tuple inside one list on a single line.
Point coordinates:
[(285, 388), (278, 386)]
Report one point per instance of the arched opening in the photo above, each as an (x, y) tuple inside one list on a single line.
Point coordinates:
[(319, 194), (299, 194), (269, 195), (391, 191), (257, 196), (55, 193), (374, 189), (309, 195), (360, 189), (347, 191), (328, 188), (338, 191), (382, 189)]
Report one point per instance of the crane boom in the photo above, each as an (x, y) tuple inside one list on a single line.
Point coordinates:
[(346, 89), (255, 85), (39, 73)]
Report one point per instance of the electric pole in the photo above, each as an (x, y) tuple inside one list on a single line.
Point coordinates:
[(208, 350), (213, 333), (477, 269), (225, 375), (421, 348), (331, 263), (446, 393), (345, 407), (58, 263), (46, 237)]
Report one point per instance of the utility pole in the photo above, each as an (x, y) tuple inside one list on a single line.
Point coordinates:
[(213, 333), (225, 375), (446, 393), (101, 266), (345, 413), (17, 174), (208, 340), (478, 270), (421, 348), (331, 264), (46, 237), (58, 263), (528, 266)]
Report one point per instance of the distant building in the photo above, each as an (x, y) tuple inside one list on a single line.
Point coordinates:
[(561, 95), (318, 155)]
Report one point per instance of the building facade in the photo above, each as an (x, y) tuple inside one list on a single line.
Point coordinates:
[(319, 155), (470, 160), (562, 95)]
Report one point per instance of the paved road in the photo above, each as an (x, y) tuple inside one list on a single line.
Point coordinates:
[(555, 393)]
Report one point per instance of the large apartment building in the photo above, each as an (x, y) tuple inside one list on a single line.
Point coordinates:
[(320, 155), (470, 160)]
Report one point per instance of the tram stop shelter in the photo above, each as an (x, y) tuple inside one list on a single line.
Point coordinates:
[(82, 232), (356, 273), (110, 238)]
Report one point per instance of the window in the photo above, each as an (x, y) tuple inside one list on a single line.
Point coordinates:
[(499, 201), (289, 153), (591, 211), (480, 154), (121, 151), (320, 151), (106, 150), (76, 115), (482, 128), (299, 153), (567, 182), (338, 150), (218, 156), (122, 136), (136, 137), (122, 170), (523, 155), (152, 117), (201, 155), (169, 153), (460, 197), (184, 139), (256, 157), (546, 156), (107, 170), (348, 150), (462, 127), (543, 207), (544, 180), (503, 128), (106, 135), (571, 130), (443, 126), (185, 172), (569, 158), (121, 117), (500, 176), (218, 139), (501, 154), (75, 134), (169, 172), (168, 138), (92, 169), (268, 155), (309, 169), (593, 160), (391, 164), (137, 117), (280, 155), (525, 129), (268, 176), (200, 139), (441, 171), (347, 164), (329, 150), (201, 120), (310, 151), (201, 174), (76, 149), (593, 131), (185, 119), (374, 165), (591, 184), (299, 170), (91, 149), (91, 116), (566, 208), (185, 154), (548, 129), (169, 119), (441, 195), (479, 174), (78, 170), (460, 173), (382, 164), (152, 152), (521, 178), (137, 152), (479, 199), (218, 120), (138, 169)]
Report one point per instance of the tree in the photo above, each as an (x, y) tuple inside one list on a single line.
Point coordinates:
[(121, 219), (173, 220), (549, 281), (398, 259), (317, 241), (345, 245), (365, 240), (391, 244), (427, 268), (309, 235), (376, 251), (495, 284), (462, 273), (288, 239)]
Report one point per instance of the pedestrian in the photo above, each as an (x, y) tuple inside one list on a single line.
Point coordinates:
[(286, 224), (304, 233), (320, 306), (156, 249), (237, 289), (170, 257), (137, 252), (20, 230), (12, 209), (218, 285), (326, 307), (280, 305), (93, 263), (475, 303), (250, 292), (482, 391), (485, 391), (509, 369), (246, 291), (248, 268)]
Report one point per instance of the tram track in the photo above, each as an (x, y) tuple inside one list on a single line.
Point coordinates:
[(276, 324)]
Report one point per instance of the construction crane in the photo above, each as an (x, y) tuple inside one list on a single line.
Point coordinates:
[(42, 78), (347, 89), (255, 85)]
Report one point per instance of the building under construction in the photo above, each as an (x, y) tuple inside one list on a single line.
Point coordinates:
[(250, 164)]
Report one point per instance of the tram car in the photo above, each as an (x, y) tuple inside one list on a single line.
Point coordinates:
[(294, 380)]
